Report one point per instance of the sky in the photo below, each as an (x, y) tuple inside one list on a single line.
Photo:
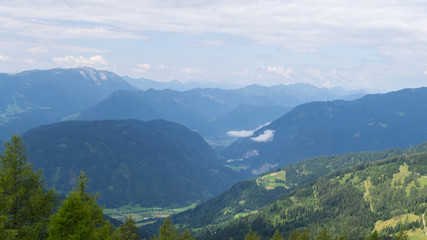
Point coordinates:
[(375, 45)]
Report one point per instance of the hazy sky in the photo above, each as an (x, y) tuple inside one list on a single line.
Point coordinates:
[(370, 44)]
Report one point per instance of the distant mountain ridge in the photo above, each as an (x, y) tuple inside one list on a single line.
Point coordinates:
[(156, 163), (36, 97), (211, 111), (373, 122)]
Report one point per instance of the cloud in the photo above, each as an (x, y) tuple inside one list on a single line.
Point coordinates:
[(5, 59), (280, 70), (96, 61), (210, 43), (243, 133), (267, 136), (246, 133), (295, 24)]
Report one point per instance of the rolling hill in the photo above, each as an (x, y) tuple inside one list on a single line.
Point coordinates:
[(156, 163)]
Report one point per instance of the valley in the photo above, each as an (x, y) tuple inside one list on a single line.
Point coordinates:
[(223, 163)]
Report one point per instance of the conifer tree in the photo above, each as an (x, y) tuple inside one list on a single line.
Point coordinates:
[(323, 235), (186, 235), (79, 216), (401, 235), (25, 204), (252, 236), (127, 231), (167, 231), (277, 236)]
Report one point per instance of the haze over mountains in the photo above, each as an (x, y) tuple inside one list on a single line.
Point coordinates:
[(170, 148), (36, 97)]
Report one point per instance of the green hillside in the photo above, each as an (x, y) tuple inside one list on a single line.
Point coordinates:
[(154, 164), (248, 196), (386, 195)]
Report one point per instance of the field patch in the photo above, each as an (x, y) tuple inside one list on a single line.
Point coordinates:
[(143, 215), (273, 180), (380, 225)]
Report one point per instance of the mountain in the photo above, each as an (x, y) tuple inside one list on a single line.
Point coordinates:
[(156, 163), (388, 196), (36, 97), (145, 84), (212, 112), (373, 122), (249, 196)]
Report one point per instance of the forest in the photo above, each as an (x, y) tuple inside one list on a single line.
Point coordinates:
[(350, 203)]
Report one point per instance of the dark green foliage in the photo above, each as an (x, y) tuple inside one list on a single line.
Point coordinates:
[(401, 235), (374, 236), (252, 236), (168, 232), (155, 163), (323, 235), (277, 236), (79, 216), (127, 231), (25, 204)]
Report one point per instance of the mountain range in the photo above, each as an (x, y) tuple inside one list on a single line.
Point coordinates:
[(373, 122), (211, 112), (31, 98)]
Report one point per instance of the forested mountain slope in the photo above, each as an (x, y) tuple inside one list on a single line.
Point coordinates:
[(247, 197), (373, 122), (156, 163), (387, 195)]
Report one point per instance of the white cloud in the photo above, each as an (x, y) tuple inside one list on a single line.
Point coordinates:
[(267, 136), (280, 70), (246, 133), (38, 50), (96, 61), (294, 24), (243, 133), (5, 59)]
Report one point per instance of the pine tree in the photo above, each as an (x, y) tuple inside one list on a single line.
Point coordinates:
[(252, 236), (186, 235), (401, 235), (79, 216), (374, 236), (323, 235), (127, 231), (25, 204), (277, 236), (167, 231)]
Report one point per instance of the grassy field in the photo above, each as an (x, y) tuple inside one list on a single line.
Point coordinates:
[(418, 234), (273, 180), (379, 225), (143, 215)]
